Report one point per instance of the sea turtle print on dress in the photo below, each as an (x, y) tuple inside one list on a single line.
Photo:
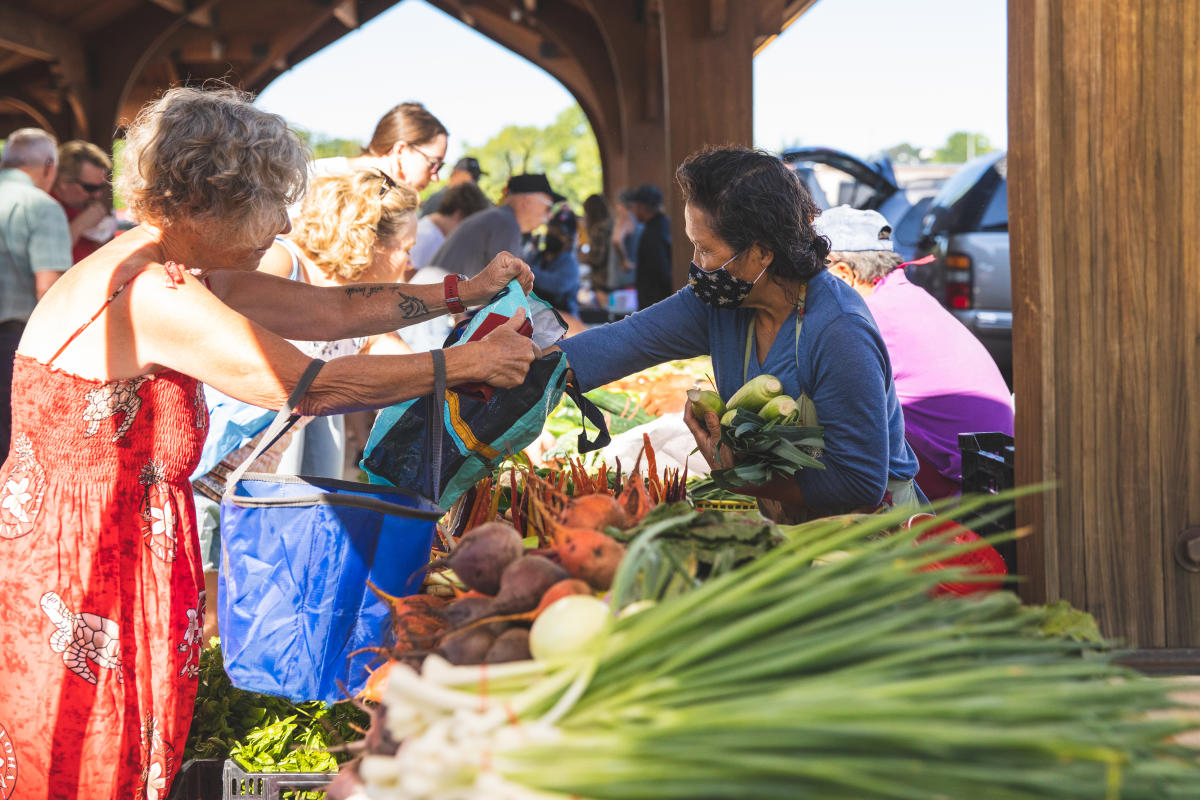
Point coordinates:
[(110, 399), (82, 637), (21, 491), (158, 514)]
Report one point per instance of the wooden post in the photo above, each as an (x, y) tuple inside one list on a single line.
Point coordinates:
[(1104, 199), (710, 93)]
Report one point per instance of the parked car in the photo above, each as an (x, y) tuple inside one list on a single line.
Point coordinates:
[(966, 230), (864, 184)]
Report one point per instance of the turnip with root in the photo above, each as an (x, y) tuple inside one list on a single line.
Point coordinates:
[(481, 555)]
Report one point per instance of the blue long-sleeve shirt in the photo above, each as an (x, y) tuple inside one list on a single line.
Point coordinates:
[(840, 362)]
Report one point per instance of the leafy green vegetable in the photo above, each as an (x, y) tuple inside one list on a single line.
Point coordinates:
[(265, 733), (1061, 620), (705, 488), (675, 548), (765, 450)]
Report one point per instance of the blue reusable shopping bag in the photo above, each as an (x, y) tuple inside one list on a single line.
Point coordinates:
[(297, 553), (463, 436)]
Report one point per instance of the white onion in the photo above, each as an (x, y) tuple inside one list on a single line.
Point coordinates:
[(568, 626)]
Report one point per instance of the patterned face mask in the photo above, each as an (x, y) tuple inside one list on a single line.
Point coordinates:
[(718, 288)]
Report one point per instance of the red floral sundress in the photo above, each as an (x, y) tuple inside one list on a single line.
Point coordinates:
[(101, 589)]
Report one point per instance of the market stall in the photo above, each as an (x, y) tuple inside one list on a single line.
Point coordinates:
[(611, 630)]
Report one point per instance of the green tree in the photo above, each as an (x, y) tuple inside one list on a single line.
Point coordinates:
[(566, 151), (904, 153), (962, 146), (322, 146)]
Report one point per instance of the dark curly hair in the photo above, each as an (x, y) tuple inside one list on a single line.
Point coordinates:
[(751, 197)]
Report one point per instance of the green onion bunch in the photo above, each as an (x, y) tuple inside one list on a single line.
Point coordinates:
[(781, 679)]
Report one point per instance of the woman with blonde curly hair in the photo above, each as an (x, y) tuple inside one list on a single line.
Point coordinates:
[(100, 580), (355, 228)]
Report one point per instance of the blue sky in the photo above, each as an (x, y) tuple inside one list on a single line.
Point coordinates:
[(858, 75)]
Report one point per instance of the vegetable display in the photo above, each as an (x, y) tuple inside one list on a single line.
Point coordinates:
[(264, 733), (793, 677)]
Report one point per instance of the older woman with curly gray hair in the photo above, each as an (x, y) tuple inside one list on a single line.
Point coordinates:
[(100, 579)]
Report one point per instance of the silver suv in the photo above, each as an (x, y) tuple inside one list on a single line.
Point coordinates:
[(966, 230)]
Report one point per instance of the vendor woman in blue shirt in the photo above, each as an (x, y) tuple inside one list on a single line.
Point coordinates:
[(759, 300)]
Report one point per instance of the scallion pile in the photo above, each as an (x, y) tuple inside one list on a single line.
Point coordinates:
[(782, 679)]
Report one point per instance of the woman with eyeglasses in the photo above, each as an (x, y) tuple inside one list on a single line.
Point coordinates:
[(101, 587), (759, 300), (408, 145)]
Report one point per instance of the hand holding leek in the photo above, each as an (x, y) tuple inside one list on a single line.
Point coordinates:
[(763, 434)]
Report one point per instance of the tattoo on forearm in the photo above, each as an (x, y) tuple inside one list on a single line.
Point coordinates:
[(410, 307), (365, 291)]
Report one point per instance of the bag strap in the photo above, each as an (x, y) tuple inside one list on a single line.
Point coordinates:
[(594, 415), (436, 408), (284, 420)]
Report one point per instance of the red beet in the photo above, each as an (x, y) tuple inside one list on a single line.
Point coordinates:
[(481, 555), (467, 647), (512, 645), (524, 582)]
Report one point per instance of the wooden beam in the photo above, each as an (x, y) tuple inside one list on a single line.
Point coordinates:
[(46, 39), (202, 17), (1102, 170), (709, 94), (285, 41), (120, 52), (346, 12), (776, 17), (174, 6), (366, 10), (718, 16), (38, 115)]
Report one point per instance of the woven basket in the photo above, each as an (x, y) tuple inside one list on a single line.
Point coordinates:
[(725, 505)]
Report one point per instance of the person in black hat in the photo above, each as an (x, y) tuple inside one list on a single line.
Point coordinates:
[(654, 247), (527, 203), (556, 267), (466, 170)]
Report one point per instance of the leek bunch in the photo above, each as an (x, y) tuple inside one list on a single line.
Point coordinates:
[(782, 679)]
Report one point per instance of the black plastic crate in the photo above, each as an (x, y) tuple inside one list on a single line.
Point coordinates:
[(242, 785), (987, 468), (198, 779)]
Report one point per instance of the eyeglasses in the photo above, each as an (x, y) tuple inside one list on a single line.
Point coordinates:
[(435, 164), (91, 188), (388, 183)]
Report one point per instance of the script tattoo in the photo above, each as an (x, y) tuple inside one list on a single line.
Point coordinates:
[(365, 291)]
